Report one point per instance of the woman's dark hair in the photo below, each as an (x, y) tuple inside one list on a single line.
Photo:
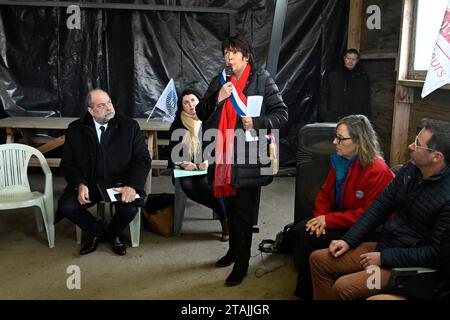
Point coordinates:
[(440, 140), (180, 99), (241, 44)]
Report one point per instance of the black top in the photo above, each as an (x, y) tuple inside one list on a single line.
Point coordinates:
[(422, 212)]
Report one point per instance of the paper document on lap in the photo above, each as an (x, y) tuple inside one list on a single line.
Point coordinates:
[(180, 173), (115, 196)]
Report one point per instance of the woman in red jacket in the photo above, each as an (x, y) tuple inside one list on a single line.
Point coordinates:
[(357, 175)]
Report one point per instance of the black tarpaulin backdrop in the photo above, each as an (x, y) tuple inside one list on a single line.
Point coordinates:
[(47, 69)]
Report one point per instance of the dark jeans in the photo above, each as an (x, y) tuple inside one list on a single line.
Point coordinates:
[(303, 245), (69, 207), (240, 211), (197, 189)]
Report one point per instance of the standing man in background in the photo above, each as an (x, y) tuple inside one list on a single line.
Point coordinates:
[(345, 91)]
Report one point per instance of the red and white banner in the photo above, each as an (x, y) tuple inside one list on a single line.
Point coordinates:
[(439, 71)]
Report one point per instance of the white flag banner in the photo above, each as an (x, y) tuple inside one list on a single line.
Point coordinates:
[(439, 71), (167, 102)]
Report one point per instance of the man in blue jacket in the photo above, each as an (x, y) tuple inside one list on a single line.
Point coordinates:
[(419, 199), (103, 149)]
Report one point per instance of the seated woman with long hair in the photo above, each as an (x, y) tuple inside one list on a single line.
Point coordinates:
[(357, 175), (196, 188)]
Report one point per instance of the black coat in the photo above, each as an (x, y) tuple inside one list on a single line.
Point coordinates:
[(422, 212), (125, 154), (344, 92), (274, 115)]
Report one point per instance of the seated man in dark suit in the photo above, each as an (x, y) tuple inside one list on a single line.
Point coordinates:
[(108, 150)]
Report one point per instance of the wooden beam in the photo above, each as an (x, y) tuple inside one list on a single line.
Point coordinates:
[(379, 55), (163, 142), (118, 6), (160, 164), (406, 31), (354, 24), (155, 152), (52, 162), (53, 144), (419, 84), (9, 135), (404, 97)]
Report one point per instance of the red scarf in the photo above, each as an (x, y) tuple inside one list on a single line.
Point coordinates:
[(225, 141)]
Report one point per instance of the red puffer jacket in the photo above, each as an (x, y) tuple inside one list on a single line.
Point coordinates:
[(361, 187)]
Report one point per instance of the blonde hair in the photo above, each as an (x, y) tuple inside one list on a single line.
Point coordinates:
[(362, 133)]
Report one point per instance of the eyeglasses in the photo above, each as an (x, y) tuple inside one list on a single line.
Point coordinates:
[(417, 145), (339, 139), (102, 106)]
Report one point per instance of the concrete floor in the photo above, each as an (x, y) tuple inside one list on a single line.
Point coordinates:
[(180, 267)]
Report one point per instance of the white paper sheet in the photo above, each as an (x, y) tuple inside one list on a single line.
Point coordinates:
[(254, 104), (112, 194)]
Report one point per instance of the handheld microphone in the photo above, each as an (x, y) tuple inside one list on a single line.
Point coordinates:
[(228, 73)]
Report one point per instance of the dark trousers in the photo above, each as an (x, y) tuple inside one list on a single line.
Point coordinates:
[(69, 207), (444, 267), (240, 211), (197, 189), (303, 245)]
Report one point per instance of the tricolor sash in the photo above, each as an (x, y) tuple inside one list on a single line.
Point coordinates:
[(237, 98), (235, 105)]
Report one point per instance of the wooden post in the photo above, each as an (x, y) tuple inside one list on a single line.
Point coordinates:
[(404, 96), (354, 24)]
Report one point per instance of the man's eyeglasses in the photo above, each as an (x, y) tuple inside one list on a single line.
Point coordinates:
[(339, 139), (417, 145), (102, 106)]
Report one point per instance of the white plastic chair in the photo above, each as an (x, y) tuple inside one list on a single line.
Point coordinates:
[(15, 189), (135, 225)]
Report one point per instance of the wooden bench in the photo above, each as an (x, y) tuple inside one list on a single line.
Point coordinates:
[(163, 142), (159, 164), (54, 163), (26, 125)]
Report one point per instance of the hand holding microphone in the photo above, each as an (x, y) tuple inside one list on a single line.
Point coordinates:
[(228, 73), (227, 88)]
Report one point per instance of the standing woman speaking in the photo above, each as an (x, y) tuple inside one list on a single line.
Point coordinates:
[(222, 109)]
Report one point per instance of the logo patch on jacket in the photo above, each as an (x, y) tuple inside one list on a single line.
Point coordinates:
[(359, 194)]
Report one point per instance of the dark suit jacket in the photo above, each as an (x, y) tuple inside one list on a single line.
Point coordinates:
[(125, 156), (343, 93)]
